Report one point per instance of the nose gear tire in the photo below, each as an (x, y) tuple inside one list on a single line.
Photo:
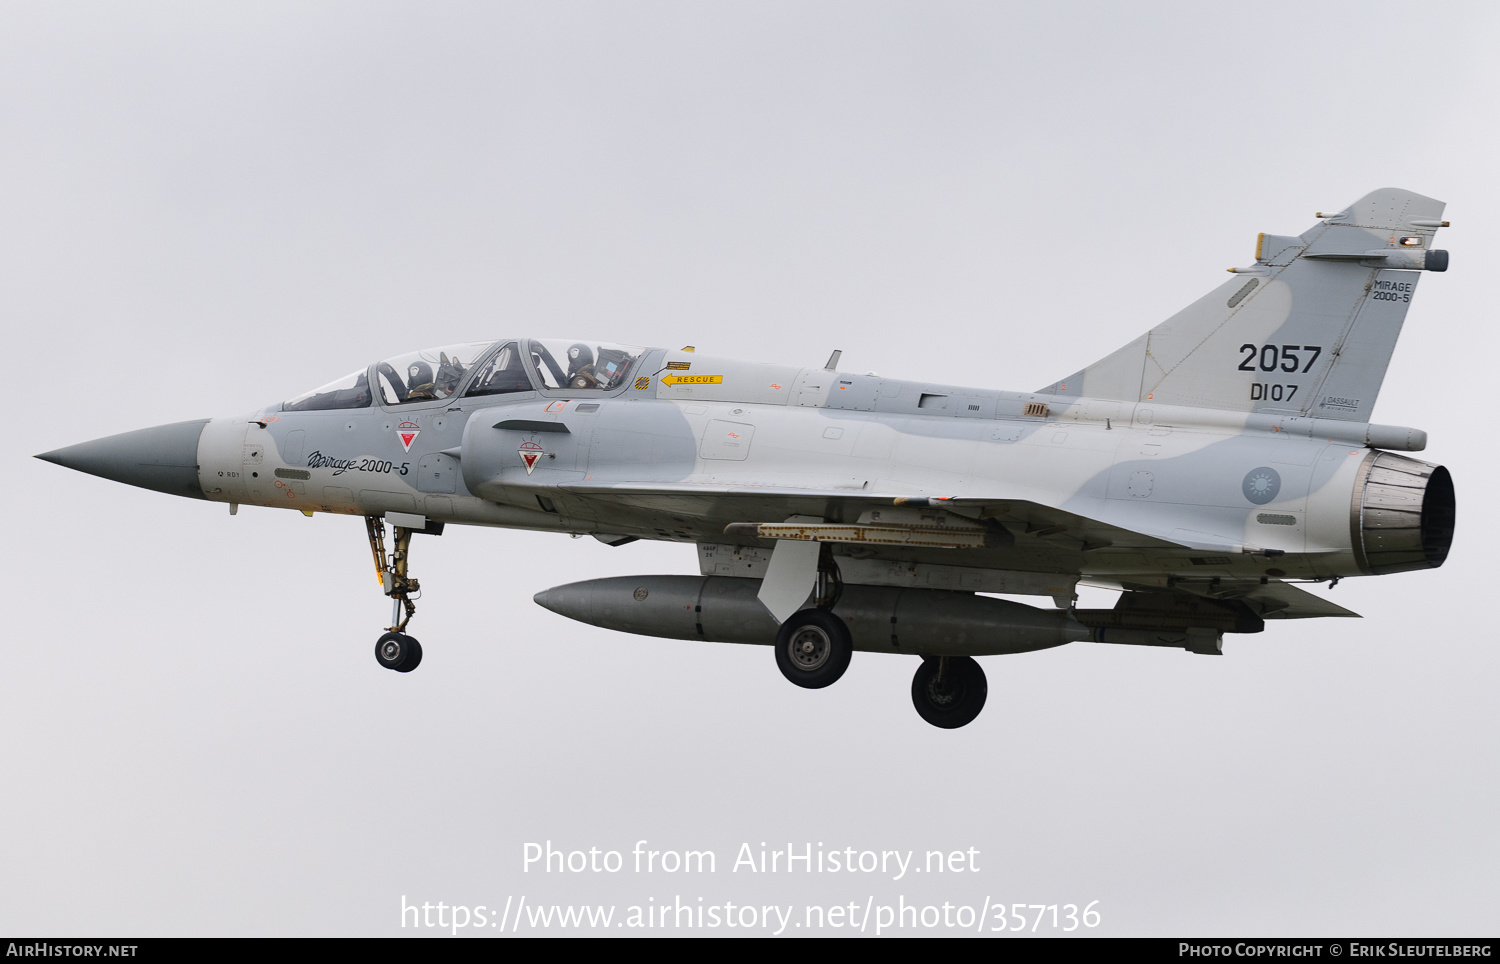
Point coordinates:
[(399, 652), (813, 648), (955, 699)]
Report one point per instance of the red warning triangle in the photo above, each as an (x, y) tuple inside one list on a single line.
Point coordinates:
[(407, 432), (529, 453)]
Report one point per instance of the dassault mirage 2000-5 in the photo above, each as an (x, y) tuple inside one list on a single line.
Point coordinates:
[(1204, 469)]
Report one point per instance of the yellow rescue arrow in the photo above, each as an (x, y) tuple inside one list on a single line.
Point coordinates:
[(692, 379)]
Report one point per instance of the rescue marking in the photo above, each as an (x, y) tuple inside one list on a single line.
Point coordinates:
[(670, 380), (559, 405), (643, 382), (680, 366)]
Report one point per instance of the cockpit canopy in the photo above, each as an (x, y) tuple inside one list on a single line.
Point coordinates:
[(429, 375), (580, 365), (478, 368)]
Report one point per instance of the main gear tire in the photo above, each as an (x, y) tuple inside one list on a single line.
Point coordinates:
[(399, 652), (956, 699), (813, 648)]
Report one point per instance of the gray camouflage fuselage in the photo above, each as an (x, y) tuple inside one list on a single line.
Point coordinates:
[(1218, 457), (1170, 473)]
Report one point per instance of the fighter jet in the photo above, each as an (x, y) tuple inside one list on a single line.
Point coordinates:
[(1206, 470)]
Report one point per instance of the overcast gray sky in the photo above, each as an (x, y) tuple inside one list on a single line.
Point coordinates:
[(207, 208)]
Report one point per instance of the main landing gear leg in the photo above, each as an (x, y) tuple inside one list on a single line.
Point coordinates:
[(395, 650), (813, 647)]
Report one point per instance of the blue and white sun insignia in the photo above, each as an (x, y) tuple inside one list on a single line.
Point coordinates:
[(1261, 485)]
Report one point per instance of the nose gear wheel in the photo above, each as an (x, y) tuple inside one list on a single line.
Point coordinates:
[(399, 652)]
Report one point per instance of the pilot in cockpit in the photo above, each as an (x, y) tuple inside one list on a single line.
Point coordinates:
[(419, 382), (423, 385), (581, 367)]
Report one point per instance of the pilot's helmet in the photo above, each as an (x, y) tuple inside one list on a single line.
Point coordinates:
[(419, 379), (579, 356)]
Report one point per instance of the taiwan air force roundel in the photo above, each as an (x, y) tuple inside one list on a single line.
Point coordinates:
[(1262, 484), (529, 452), (408, 432)]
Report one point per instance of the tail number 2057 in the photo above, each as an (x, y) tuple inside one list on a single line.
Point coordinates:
[(1286, 358)]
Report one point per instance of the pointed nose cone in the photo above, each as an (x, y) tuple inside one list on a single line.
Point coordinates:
[(164, 458)]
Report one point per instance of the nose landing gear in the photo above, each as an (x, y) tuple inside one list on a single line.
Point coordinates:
[(395, 650)]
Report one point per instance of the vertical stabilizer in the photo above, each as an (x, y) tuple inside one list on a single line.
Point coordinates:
[(1308, 329)]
